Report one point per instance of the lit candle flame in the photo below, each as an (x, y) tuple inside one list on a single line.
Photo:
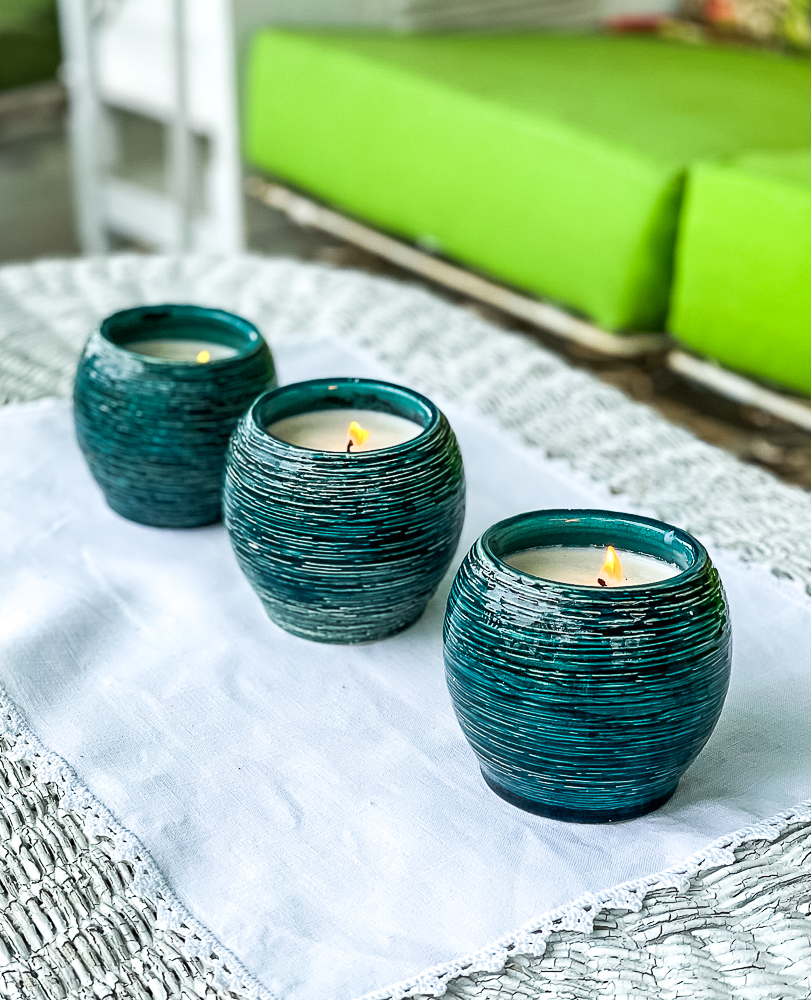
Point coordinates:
[(203, 357), (611, 571), (357, 435)]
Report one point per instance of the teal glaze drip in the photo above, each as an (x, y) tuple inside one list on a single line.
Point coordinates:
[(583, 703), (344, 548), (154, 432)]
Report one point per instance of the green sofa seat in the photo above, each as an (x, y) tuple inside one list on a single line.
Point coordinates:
[(552, 162), (742, 293)]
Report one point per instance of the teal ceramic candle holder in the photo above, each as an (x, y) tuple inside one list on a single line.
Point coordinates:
[(344, 547), (154, 430), (583, 703)]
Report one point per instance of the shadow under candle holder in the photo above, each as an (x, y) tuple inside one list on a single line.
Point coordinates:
[(344, 547), (586, 703), (157, 394)]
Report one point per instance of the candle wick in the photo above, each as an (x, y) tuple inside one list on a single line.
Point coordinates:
[(349, 447), (601, 581)]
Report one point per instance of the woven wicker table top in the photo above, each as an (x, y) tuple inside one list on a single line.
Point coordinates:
[(80, 908)]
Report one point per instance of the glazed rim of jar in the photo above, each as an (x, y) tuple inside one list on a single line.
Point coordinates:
[(181, 322), (345, 393), (644, 535)]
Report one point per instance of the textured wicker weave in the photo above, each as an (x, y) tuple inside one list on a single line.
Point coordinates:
[(71, 924), (80, 917)]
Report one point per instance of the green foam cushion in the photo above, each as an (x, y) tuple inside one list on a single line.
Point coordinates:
[(742, 293), (554, 162)]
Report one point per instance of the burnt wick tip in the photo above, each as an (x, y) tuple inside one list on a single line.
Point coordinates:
[(601, 581)]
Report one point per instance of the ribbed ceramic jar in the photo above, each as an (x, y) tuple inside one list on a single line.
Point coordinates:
[(344, 548), (154, 431), (583, 703)]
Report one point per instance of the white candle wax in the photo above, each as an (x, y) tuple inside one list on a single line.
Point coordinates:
[(201, 351), (328, 430), (582, 565)]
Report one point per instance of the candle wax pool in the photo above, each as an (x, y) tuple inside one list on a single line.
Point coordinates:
[(181, 350), (582, 565), (328, 430)]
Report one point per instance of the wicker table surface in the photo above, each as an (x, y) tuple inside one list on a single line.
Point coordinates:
[(83, 914)]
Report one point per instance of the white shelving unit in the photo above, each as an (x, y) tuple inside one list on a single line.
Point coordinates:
[(172, 63)]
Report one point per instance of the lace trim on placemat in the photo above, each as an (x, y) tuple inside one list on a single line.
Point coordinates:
[(98, 821), (47, 310), (579, 916), (229, 974)]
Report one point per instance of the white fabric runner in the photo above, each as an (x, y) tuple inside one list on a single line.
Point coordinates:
[(316, 806)]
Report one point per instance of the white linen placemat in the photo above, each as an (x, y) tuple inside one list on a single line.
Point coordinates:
[(317, 807)]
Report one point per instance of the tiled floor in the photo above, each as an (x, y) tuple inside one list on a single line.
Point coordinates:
[(36, 220)]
